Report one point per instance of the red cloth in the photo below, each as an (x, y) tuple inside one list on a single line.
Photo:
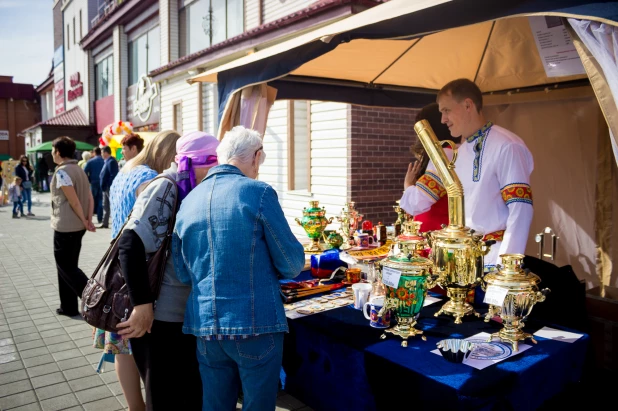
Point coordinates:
[(436, 216)]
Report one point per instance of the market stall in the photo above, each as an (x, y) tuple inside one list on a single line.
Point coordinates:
[(544, 79)]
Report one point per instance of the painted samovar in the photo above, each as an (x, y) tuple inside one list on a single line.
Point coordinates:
[(523, 293), (349, 218), (314, 222), (456, 251), (407, 297)]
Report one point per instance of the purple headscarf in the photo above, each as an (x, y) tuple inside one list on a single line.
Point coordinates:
[(194, 150)]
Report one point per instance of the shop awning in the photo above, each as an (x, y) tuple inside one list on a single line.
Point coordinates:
[(401, 52), (79, 146)]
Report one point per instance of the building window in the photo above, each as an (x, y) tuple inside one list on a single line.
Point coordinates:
[(73, 30), (177, 119), (104, 78), (68, 37), (80, 25), (204, 23), (299, 145), (144, 54)]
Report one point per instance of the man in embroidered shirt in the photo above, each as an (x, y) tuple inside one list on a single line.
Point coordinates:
[(494, 166)]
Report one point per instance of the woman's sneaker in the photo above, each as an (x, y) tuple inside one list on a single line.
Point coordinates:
[(30, 215), (15, 215)]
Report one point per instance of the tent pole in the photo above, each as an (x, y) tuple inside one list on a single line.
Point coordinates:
[(491, 30), (396, 60)]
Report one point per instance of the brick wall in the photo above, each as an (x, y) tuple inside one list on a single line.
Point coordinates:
[(378, 156), (58, 26)]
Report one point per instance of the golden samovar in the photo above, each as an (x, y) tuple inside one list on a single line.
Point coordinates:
[(456, 251), (523, 293), (350, 219)]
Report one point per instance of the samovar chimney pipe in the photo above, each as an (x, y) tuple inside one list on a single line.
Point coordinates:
[(446, 171)]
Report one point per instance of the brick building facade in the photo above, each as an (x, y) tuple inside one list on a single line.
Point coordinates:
[(379, 143), (19, 109)]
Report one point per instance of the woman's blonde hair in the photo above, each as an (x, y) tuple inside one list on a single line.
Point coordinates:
[(86, 155), (158, 153)]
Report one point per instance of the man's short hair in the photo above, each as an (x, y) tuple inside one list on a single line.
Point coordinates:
[(462, 89), (133, 140), (97, 151), (107, 149), (65, 146)]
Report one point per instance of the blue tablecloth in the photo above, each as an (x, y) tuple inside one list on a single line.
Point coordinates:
[(335, 361)]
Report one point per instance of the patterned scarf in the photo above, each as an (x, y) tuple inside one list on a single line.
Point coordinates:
[(194, 150)]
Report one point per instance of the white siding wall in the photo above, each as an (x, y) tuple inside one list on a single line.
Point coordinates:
[(168, 18), (275, 9), (172, 91), (210, 107), (252, 18), (329, 129)]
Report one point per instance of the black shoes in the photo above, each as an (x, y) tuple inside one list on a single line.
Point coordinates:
[(60, 311)]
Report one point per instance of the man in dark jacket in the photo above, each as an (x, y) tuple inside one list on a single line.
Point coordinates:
[(108, 173), (93, 171)]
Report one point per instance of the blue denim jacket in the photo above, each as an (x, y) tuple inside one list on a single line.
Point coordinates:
[(232, 243)]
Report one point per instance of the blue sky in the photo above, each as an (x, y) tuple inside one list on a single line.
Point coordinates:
[(26, 40)]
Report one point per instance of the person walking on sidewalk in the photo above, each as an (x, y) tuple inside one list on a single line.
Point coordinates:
[(25, 171), (72, 207), (93, 170), (108, 173), (15, 197), (152, 160)]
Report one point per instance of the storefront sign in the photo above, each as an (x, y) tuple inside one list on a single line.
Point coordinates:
[(59, 96), (77, 87), (58, 56), (4, 135), (143, 102)]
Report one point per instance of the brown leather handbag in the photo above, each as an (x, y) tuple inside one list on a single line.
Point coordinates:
[(105, 300)]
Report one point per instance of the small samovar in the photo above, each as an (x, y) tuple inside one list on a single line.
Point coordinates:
[(349, 218), (314, 222), (523, 293), (407, 297), (456, 251)]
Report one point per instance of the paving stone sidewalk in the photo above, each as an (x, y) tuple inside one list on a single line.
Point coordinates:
[(47, 361)]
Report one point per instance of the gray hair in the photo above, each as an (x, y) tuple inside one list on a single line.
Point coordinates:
[(240, 144)]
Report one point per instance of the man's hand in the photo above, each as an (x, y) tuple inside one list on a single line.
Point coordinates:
[(412, 174), (90, 226), (139, 323)]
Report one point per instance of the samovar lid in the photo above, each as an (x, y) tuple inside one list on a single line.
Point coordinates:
[(409, 262), (511, 274)]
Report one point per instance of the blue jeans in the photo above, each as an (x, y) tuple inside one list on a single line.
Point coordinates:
[(26, 193), (97, 195), (254, 362), (18, 205)]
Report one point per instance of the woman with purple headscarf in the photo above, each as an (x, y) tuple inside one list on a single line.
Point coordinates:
[(165, 357)]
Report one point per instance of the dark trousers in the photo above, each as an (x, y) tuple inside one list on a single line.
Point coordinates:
[(71, 280), (97, 196), (106, 209), (167, 362)]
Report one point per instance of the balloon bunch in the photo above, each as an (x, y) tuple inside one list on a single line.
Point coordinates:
[(117, 128)]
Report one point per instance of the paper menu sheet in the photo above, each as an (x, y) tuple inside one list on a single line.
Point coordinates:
[(555, 46), (557, 335), (488, 353)]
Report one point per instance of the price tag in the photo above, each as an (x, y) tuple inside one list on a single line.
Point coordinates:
[(390, 277), (495, 295)]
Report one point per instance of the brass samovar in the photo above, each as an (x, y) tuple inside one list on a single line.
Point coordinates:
[(523, 293), (350, 219), (456, 251)]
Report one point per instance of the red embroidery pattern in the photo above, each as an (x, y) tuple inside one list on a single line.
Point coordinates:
[(496, 235), (431, 184), (517, 193)]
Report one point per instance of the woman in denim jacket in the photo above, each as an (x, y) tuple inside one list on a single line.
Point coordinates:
[(232, 243)]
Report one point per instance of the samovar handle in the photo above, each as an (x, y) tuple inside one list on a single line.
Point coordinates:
[(540, 295), (298, 221), (451, 165)]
